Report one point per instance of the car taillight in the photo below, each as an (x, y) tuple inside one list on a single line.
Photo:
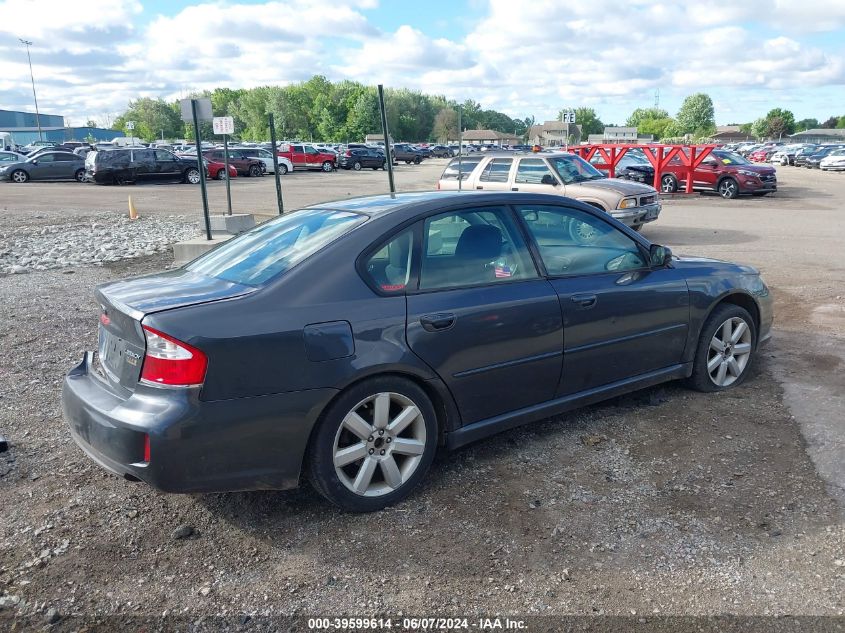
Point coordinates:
[(170, 362), (348, 153)]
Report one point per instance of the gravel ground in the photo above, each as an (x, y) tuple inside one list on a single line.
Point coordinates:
[(662, 502)]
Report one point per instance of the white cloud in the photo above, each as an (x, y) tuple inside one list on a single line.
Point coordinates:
[(521, 58)]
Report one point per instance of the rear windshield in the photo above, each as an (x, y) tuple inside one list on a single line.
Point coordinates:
[(268, 250), (467, 164)]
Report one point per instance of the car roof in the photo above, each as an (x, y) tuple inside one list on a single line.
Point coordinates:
[(423, 201)]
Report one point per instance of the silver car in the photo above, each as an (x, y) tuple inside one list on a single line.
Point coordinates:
[(632, 203), (45, 166)]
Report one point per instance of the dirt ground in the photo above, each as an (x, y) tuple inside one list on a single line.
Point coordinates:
[(662, 502)]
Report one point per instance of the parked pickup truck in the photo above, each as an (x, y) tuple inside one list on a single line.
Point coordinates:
[(304, 156)]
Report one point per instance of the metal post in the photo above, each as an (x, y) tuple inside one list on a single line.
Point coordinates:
[(34, 97), (201, 167), (460, 148), (276, 163), (387, 151), (228, 180)]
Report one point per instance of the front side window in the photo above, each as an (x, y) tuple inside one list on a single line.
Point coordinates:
[(311, 150), (45, 158), (531, 171), (473, 247), (574, 169), (389, 268), (573, 242), (497, 170), (255, 257)]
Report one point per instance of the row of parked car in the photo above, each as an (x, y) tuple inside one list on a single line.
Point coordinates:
[(828, 156)]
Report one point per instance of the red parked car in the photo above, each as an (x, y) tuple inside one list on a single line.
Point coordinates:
[(726, 173), (244, 164), (763, 154), (213, 169)]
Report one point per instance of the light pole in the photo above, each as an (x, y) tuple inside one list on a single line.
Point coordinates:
[(32, 77)]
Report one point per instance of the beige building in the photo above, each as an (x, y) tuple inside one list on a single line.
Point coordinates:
[(554, 133), (489, 137)]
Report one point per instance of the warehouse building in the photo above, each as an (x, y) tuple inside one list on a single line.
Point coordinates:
[(23, 128)]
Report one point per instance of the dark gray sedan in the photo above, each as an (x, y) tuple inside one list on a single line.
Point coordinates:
[(351, 339), (45, 166)]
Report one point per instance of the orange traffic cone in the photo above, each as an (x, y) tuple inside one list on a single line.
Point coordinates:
[(133, 214)]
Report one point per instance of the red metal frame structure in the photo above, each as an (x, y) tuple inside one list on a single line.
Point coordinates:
[(658, 155)]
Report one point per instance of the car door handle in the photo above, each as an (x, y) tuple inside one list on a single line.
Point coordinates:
[(514, 188), (479, 187), (584, 302), (437, 322)]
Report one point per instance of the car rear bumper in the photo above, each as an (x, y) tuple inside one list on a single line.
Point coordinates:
[(195, 446), (637, 215)]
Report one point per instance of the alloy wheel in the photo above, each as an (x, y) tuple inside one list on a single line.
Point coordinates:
[(727, 188), (729, 353), (193, 176), (379, 445), (20, 176), (667, 184)]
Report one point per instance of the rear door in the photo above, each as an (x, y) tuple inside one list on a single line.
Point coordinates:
[(67, 165), (298, 156), (167, 167), (495, 175), (621, 317), (482, 317)]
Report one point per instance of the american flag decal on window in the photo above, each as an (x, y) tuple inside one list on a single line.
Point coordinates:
[(503, 270)]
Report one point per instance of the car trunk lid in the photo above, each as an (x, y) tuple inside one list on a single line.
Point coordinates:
[(124, 304)]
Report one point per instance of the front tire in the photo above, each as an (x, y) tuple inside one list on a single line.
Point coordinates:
[(728, 189), (726, 349), (374, 444), (327, 166), (255, 171), (220, 175), (19, 176)]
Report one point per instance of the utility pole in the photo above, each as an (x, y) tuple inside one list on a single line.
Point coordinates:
[(32, 77)]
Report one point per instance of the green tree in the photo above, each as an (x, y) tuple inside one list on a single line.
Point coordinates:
[(153, 118), (657, 127), (780, 122), (840, 124), (445, 125), (364, 117), (746, 128), (642, 114), (806, 124), (830, 123), (90, 123), (586, 118), (760, 127), (697, 115)]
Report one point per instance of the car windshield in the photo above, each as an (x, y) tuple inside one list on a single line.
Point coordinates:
[(268, 250), (839, 152), (729, 158), (573, 169)]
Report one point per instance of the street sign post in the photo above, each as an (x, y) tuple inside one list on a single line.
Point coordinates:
[(225, 125), (203, 109), (200, 165), (275, 152), (130, 125), (388, 151)]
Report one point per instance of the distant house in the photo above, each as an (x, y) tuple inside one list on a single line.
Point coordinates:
[(620, 134), (489, 137), (730, 134), (819, 135), (554, 133)]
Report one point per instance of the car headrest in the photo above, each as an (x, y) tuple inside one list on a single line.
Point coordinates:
[(479, 241)]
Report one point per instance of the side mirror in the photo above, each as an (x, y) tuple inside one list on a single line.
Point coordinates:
[(548, 179), (659, 256), (35, 161)]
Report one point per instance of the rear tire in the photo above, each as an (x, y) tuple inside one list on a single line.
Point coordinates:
[(417, 160), (79, 176), (356, 166), (668, 183), (718, 367), (192, 176), (354, 456), (283, 169)]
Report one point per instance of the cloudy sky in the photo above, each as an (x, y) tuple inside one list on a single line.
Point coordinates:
[(522, 57)]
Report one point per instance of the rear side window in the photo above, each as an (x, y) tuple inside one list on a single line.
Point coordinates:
[(257, 256), (465, 168), (389, 268), (497, 170)]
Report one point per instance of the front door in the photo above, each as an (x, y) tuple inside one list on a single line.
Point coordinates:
[(622, 318), (533, 175), (483, 318), (167, 167)]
